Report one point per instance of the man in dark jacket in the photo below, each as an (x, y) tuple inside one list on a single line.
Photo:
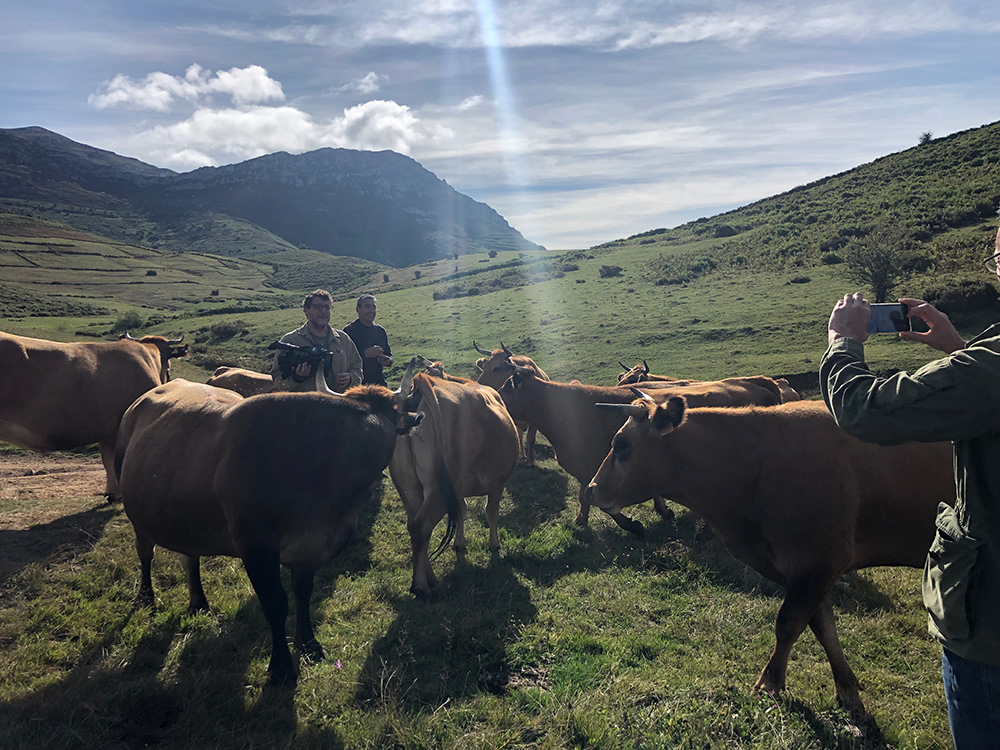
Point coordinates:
[(956, 398), (371, 340)]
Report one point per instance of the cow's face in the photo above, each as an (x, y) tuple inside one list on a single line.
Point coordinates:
[(512, 390), (638, 374), (638, 464), (495, 369)]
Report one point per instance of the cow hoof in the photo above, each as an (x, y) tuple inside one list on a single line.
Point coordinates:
[(312, 651), (581, 520), (850, 701), (112, 498)]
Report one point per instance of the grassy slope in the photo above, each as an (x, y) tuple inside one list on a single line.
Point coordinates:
[(571, 638)]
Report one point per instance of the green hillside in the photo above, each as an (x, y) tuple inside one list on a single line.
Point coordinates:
[(943, 194), (744, 292)]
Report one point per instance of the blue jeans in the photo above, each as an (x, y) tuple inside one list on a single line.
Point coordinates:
[(973, 693)]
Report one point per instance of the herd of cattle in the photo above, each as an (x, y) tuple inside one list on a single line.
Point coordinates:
[(231, 468)]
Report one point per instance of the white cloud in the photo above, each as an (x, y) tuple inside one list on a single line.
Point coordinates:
[(621, 24), (367, 84), (159, 91), (470, 103), (217, 136)]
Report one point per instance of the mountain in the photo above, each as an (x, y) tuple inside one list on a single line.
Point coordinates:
[(379, 206)]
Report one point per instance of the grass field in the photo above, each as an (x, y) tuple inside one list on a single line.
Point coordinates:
[(570, 638)]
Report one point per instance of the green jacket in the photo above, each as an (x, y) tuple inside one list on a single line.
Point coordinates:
[(956, 398), (345, 359)]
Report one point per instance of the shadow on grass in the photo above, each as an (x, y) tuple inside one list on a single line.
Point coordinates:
[(54, 542), (183, 684), (538, 496), (861, 732), (450, 649)]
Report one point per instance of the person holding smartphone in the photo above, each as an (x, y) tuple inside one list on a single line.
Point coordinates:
[(955, 398)]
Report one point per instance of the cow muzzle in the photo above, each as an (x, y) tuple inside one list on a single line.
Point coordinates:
[(593, 496)]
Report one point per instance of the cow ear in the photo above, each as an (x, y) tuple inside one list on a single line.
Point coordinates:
[(480, 362), (669, 416)]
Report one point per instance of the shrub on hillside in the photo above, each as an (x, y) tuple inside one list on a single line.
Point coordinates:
[(226, 330), (608, 272), (128, 322)]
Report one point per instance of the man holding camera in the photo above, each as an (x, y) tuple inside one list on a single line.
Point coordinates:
[(956, 398), (343, 366), (371, 340)]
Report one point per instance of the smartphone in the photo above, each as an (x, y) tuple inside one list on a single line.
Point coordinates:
[(888, 317)]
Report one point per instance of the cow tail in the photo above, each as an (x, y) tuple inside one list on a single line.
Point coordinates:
[(451, 504)]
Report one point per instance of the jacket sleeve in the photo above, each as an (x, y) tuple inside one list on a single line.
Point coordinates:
[(953, 398)]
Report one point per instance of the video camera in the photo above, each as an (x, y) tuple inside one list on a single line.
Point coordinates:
[(291, 356)]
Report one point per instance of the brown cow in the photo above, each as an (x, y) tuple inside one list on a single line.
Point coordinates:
[(640, 374), (56, 396), (277, 479), (580, 434), (494, 369), (244, 382), (467, 430), (791, 495)]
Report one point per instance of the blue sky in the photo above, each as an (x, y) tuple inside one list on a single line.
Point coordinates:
[(580, 121)]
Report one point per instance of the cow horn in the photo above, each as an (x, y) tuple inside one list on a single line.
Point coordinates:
[(626, 369), (645, 367), (127, 337), (640, 394), (404, 384), (506, 351), (633, 410), (175, 342), (426, 362), (478, 349), (321, 385)]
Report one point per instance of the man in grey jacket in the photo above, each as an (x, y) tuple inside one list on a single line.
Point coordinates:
[(344, 368), (956, 398)]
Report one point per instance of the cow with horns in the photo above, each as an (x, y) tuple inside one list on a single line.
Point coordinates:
[(277, 479), (580, 434), (56, 396), (494, 368), (641, 374)]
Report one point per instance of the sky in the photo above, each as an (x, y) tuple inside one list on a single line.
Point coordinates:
[(579, 121)]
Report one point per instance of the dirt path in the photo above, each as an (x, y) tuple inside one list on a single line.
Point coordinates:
[(36, 488), (51, 507)]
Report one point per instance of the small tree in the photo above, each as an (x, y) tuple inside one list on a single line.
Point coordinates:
[(492, 253), (879, 259), (385, 278), (925, 138), (416, 274)]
